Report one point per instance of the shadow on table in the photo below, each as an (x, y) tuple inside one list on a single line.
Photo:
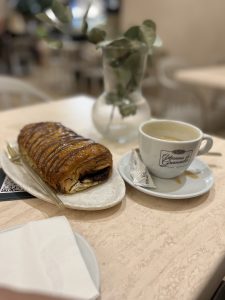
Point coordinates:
[(50, 210), (170, 204), (214, 166)]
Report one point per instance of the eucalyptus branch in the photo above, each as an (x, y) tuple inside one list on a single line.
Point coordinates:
[(124, 54)]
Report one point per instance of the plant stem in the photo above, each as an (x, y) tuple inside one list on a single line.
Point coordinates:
[(110, 119)]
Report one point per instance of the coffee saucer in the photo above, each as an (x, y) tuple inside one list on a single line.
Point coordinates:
[(197, 180)]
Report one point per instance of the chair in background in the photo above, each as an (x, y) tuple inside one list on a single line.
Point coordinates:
[(217, 110), (88, 69), (178, 101), (150, 89), (150, 82), (15, 92), (217, 96)]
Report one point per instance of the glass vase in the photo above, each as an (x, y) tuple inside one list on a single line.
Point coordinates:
[(120, 109)]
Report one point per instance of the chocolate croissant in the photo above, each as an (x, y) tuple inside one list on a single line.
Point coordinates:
[(65, 160)]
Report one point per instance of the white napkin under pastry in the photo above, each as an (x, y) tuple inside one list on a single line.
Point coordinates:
[(43, 257)]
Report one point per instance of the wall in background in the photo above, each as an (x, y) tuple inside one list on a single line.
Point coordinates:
[(3, 11), (2, 8), (190, 29)]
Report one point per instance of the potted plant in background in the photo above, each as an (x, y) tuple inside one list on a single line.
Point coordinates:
[(121, 107)]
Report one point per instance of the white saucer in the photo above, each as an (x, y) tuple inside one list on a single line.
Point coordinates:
[(182, 187)]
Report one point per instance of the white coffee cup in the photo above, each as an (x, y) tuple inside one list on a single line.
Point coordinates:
[(168, 147)]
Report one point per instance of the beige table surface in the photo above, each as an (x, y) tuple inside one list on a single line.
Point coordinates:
[(147, 247), (211, 76)]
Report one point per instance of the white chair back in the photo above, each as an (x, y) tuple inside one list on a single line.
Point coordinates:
[(166, 68), (15, 92), (178, 101)]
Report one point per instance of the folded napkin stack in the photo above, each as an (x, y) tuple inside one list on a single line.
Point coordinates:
[(43, 257)]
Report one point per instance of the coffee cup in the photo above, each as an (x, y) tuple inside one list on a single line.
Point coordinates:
[(168, 147)]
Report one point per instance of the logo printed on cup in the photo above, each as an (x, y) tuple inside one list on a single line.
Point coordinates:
[(175, 158)]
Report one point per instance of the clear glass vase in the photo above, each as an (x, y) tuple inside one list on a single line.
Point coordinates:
[(121, 108)]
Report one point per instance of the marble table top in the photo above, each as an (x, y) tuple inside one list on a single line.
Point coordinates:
[(147, 247)]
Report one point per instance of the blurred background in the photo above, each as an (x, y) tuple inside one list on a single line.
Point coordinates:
[(192, 37)]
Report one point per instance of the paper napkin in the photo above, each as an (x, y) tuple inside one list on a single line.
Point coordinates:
[(43, 257), (139, 172)]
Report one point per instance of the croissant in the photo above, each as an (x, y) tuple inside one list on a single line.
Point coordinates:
[(65, 160)]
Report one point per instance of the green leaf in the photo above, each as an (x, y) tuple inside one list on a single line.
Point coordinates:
[(148, 29), (146, 33), (122, 42), (133, 33), (96, 35), (117, 51), (135, 64), (44, 18), (127, 108), (150, 24), (61, 12)]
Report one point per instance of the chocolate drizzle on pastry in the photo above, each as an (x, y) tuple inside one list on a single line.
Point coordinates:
[(65, 160)]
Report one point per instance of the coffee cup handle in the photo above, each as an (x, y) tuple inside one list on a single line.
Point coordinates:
[(207, 146)]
